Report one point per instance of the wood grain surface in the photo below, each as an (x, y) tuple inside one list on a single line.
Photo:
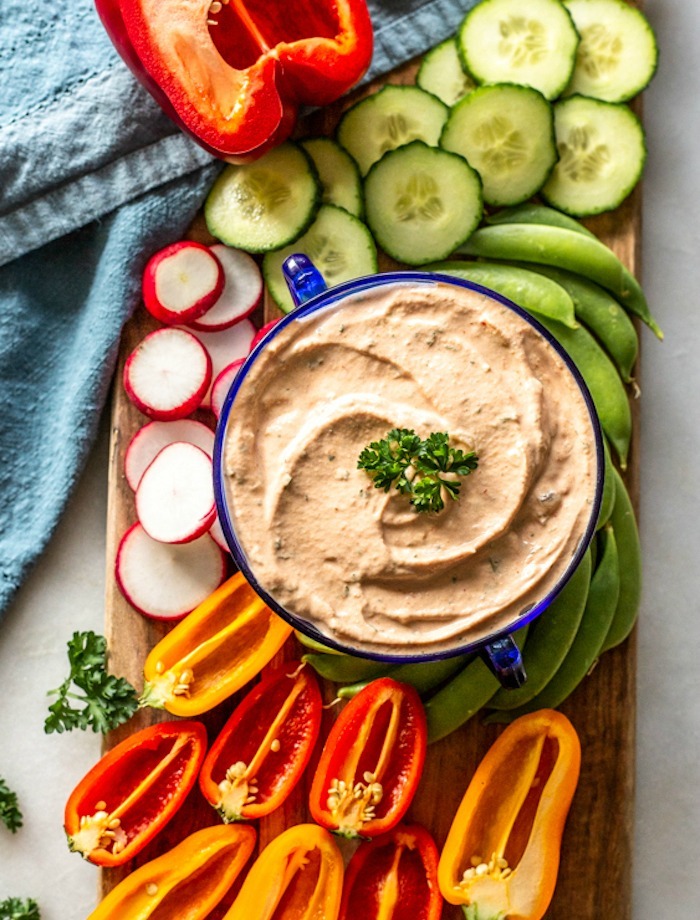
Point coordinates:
[(595, 873)]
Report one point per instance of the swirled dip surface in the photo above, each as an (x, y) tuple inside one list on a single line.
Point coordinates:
[(360, 563)]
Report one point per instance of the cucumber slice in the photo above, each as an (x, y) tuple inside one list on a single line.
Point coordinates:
[(266, 204), (617, 55), (422, 202), (441, 73), (601, 156), (513, 41), (340, 246), (506, 132), (393, 116), (341, 183)]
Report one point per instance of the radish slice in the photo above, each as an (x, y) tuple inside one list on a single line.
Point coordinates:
[(175, 497), (167, 581), (154, 436), (222, 384), (262, 332), (241, 294), (216, 532), (182, 282), (167, 374), (225, 347)]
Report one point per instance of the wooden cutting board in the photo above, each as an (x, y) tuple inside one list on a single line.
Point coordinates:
[(595, 872)]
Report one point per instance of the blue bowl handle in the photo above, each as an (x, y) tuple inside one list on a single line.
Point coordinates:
[(503, 658), (303, 279)]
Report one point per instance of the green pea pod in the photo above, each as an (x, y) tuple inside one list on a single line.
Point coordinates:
[(563, 248), (595, 622), (624, 525), (603, 315), (314, 645), (550, 638), (522, 286), (344, 669), (538, 214), (425, 676), (608, 500), (460, 699), (603, 381)]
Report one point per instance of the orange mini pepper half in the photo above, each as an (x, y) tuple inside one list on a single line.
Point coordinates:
[(214, 651), (264, 747), (371, 762), (298, 876), (234, 73), (393, 877), (133, 791), (187, 881), (501, 856)]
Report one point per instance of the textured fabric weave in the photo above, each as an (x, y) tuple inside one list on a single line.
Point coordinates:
[(93, 179)]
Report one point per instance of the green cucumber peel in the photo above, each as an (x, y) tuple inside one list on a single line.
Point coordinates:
[(567, 249)]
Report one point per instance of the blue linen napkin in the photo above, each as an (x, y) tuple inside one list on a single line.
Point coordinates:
[(93, 179)]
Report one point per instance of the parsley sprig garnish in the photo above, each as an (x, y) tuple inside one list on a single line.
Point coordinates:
[(10, 814), (19, 909), (107, 701), (427, 470)]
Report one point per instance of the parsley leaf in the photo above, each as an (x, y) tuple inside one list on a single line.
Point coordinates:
[(16, 909), (108, 701), (10, 815), (428, 470)]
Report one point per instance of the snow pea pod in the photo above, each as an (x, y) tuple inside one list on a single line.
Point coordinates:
[(528, 289), (460, 699), (608, 499), (424, 676), (538, 214), (550, 639), (603, 315), (563, 248), (314, 644), (343, 669), (603, 381), (595, 622), (624, 525)]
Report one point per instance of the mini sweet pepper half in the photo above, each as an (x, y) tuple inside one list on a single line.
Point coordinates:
[(233, 73), (501, 856)]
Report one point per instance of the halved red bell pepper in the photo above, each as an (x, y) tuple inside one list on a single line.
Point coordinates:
[(133, 791), (371, 762), (264, 747), (393, 877), (233, 73)]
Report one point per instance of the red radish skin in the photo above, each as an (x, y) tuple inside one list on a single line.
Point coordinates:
[(216, 532), (168, 373), (151, 438), (242, 293), (225, 347), (166, 581), (182, 282), (175, 497), (262, 332), (222, 384)]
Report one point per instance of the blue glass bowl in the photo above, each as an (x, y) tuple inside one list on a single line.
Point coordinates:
[(310, 294)]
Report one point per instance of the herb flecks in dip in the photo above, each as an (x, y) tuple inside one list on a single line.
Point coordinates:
[(359, 562)]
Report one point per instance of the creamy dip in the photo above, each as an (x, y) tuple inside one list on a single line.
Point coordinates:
[(362, 564)]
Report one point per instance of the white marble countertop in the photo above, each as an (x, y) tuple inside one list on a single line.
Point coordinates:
[(65, 591)]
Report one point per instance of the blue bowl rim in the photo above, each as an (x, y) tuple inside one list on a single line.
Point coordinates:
[(325, 299)]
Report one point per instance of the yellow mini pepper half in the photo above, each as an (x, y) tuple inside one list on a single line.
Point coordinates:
[(214, 651), (298, 876), (501, 856), (187, 881)]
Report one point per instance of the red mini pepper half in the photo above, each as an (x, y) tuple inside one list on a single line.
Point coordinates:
[(393, 877), (371, 762), (265, 745), (233, 73), (133, 791)]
